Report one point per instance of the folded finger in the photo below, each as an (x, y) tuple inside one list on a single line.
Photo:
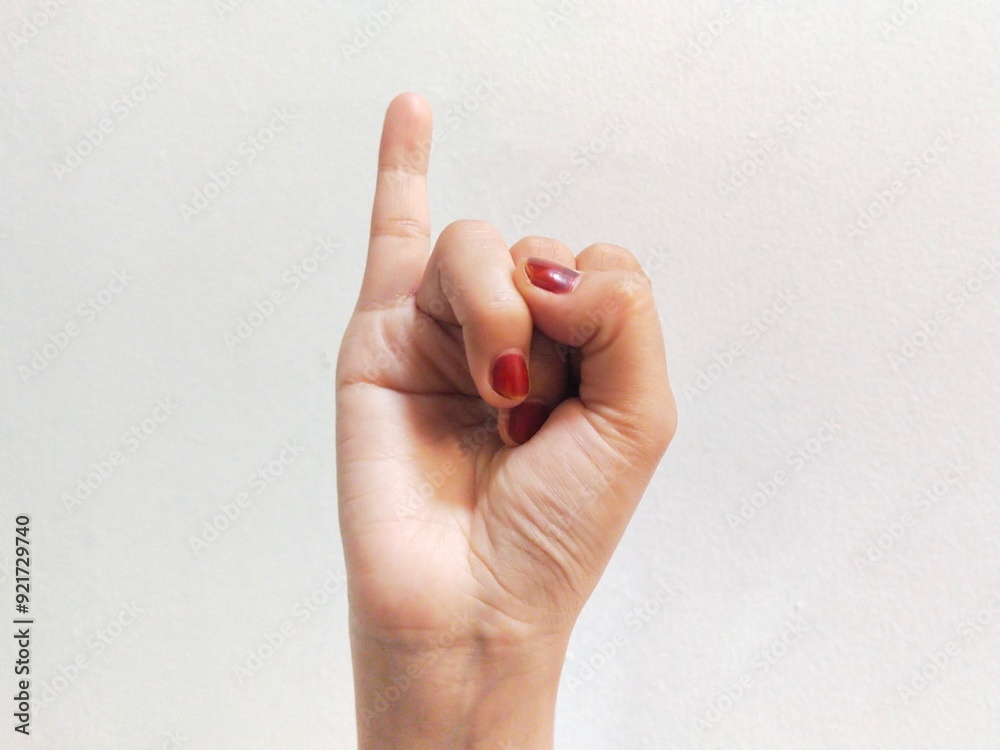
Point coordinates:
[(469, 282), (549, 386)]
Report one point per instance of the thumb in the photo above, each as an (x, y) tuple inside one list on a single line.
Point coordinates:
[(609, 314)]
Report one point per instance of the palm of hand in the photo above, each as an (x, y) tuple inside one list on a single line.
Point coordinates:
[(440, 518)]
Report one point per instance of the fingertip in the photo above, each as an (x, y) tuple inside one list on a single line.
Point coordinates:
[(550, 276), (508, 379), (407, 134), (526, 419), (409, 104), (518, 425)]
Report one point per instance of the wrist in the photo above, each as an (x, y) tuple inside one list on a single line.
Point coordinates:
[(446, 692)]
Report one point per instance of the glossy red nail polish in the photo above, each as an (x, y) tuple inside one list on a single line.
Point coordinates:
[(551, 276), (510, 375), (525, 420)]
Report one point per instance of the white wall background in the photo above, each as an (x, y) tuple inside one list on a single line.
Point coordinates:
[(827, 649)]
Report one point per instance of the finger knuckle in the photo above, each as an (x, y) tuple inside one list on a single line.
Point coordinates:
[(643, 436), (400, 226), (610, 257), (633, 288), (539, 246), (464, 228)]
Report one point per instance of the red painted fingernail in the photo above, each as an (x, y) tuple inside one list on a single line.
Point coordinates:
[(525, 420), (551, 276), (510, 375)]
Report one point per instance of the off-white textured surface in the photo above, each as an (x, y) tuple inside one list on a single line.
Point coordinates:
[(835, 164)]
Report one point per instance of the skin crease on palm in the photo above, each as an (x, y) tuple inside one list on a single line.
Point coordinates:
[(448, 525)]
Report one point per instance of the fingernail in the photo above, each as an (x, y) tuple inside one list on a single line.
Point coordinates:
[(551, 276), (525, 420), (510, 375)]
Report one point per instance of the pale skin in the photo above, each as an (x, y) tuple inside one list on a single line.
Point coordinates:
[(473, 530)]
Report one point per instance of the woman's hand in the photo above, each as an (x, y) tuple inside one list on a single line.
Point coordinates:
[(472, 541)]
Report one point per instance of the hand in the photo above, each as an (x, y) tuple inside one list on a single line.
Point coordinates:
[(478, 511)]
